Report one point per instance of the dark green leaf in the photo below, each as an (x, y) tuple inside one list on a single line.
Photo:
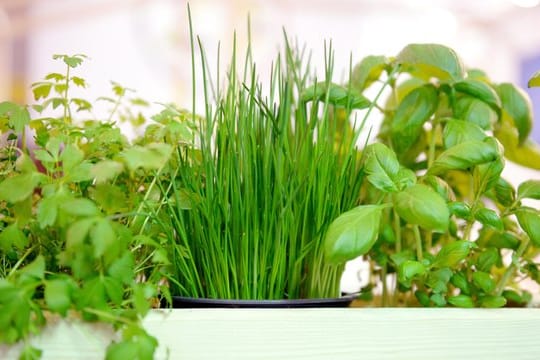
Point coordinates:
[(517, 105), (353, 233), (463, 156), (420, 205), (489, 217), (368, 71), (529, 220), (438, 280), (505, 240), (411, 114), (458, 131), (381, 166), (12, 235), (490, 301), (452, 254), (459, 209), (488, 258), (462, 301), (113, 289), (422, 297), (529, 189), (432, 60), (484, 281), (504, 192), (438, 299)]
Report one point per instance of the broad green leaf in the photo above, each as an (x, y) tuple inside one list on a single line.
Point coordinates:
[(368, 71), (122, 268), (504, 192), (114, 289), (55, 76), (405, 178), (411, 114), (112, 199), (529, 189), (77, 233), (484, 281), (92, 294), (150, 157), (526, 154), (491, 301), (47, 210), (409, 270), (80, 207), (19, 187), (534, 81), (381, 166), (106, 170), (432, 60), (353, 233), (488, 258), (475, 111), (514, 297), (489, 217), (487, 175), (462, 301), (440, 186), (41, 90), (58, 295), (438, 299), (103, 237), (504, 240), (517, 105), (421, 205), (80, 172), (458, 131), (12, 236), (529, 220), (122, 350), (35, 270), (463, 156), (479, 90), (452, 254)]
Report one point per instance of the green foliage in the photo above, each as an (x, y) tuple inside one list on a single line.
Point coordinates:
[(450, 130)]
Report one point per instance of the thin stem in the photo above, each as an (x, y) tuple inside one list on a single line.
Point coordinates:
[(397, 230), (510, 269), (418, 238), (21, 260), (67, 110), (433, 143)]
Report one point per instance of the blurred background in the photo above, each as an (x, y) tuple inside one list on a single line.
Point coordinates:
[(144, 44)]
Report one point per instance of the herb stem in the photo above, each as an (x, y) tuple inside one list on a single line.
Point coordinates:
[(511, 268), (418, 239)]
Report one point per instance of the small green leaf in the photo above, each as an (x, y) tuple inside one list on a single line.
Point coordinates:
[(529, 189), (517, 105), (114, 289), (80, 207), (78, 81), (463, 156), (17, 188), (452, 254), (458, 131), (438, 299), (411, 114), (405, 178), (336, 95), (479, 90), (422, 297), (505, 240), (150, 157), (484, 281), (432, 60), (77, 233), (460, 209), (460, 281), (58, 295), (504, 192), (381, 166), (488, 258), (19, 118), (438, 280), (353, 233), (103, 237), (368, 71), (41, 90), (12, 235), (30, 353), (490, 301), (462, 301), (71, 156), (55, 76), (529, 220), (122, 268), (421, 205), (35, 270), (409, 270), (106, 170), (489, 217)]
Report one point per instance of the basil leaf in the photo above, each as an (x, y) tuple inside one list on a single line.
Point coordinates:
[(452, 254), (409, 270), (517, 105), (475, 111), (463, 156), (529, 220), (431, 60), (479, 90), (529, 189), (489, 217), (504, 192), (534, 81), (421, 205), (381, 166), (367, 71), (458, 131), (353, 233), (462, 301)]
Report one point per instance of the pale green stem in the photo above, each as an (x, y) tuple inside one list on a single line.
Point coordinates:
[(510, 269), (418, 239)]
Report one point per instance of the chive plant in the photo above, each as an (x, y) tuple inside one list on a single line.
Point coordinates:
[(245, 211)]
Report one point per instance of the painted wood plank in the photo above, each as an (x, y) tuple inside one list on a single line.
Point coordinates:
[(315, 334)]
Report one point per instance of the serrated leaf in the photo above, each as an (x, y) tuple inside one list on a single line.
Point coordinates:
[(103, 237), (122, 268), (151, 157), (17, 188), (19, 118), (452, 254), (80, 207), (411, 114), (353, 233), (421, 205), (458, 131), (78, 81), (41, 90), (517, 105), (12, 236), (529, 220), (71, 156), (432, 60), (58, 295), (463, 156), (381, 166), (529, 189), (106, 170)]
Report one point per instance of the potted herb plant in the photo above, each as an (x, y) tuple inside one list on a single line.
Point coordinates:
[(442, 226)]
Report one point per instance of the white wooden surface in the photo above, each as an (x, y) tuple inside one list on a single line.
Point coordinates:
[(313, 334)]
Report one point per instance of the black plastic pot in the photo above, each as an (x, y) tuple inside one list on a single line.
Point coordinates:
[(180, 302)]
